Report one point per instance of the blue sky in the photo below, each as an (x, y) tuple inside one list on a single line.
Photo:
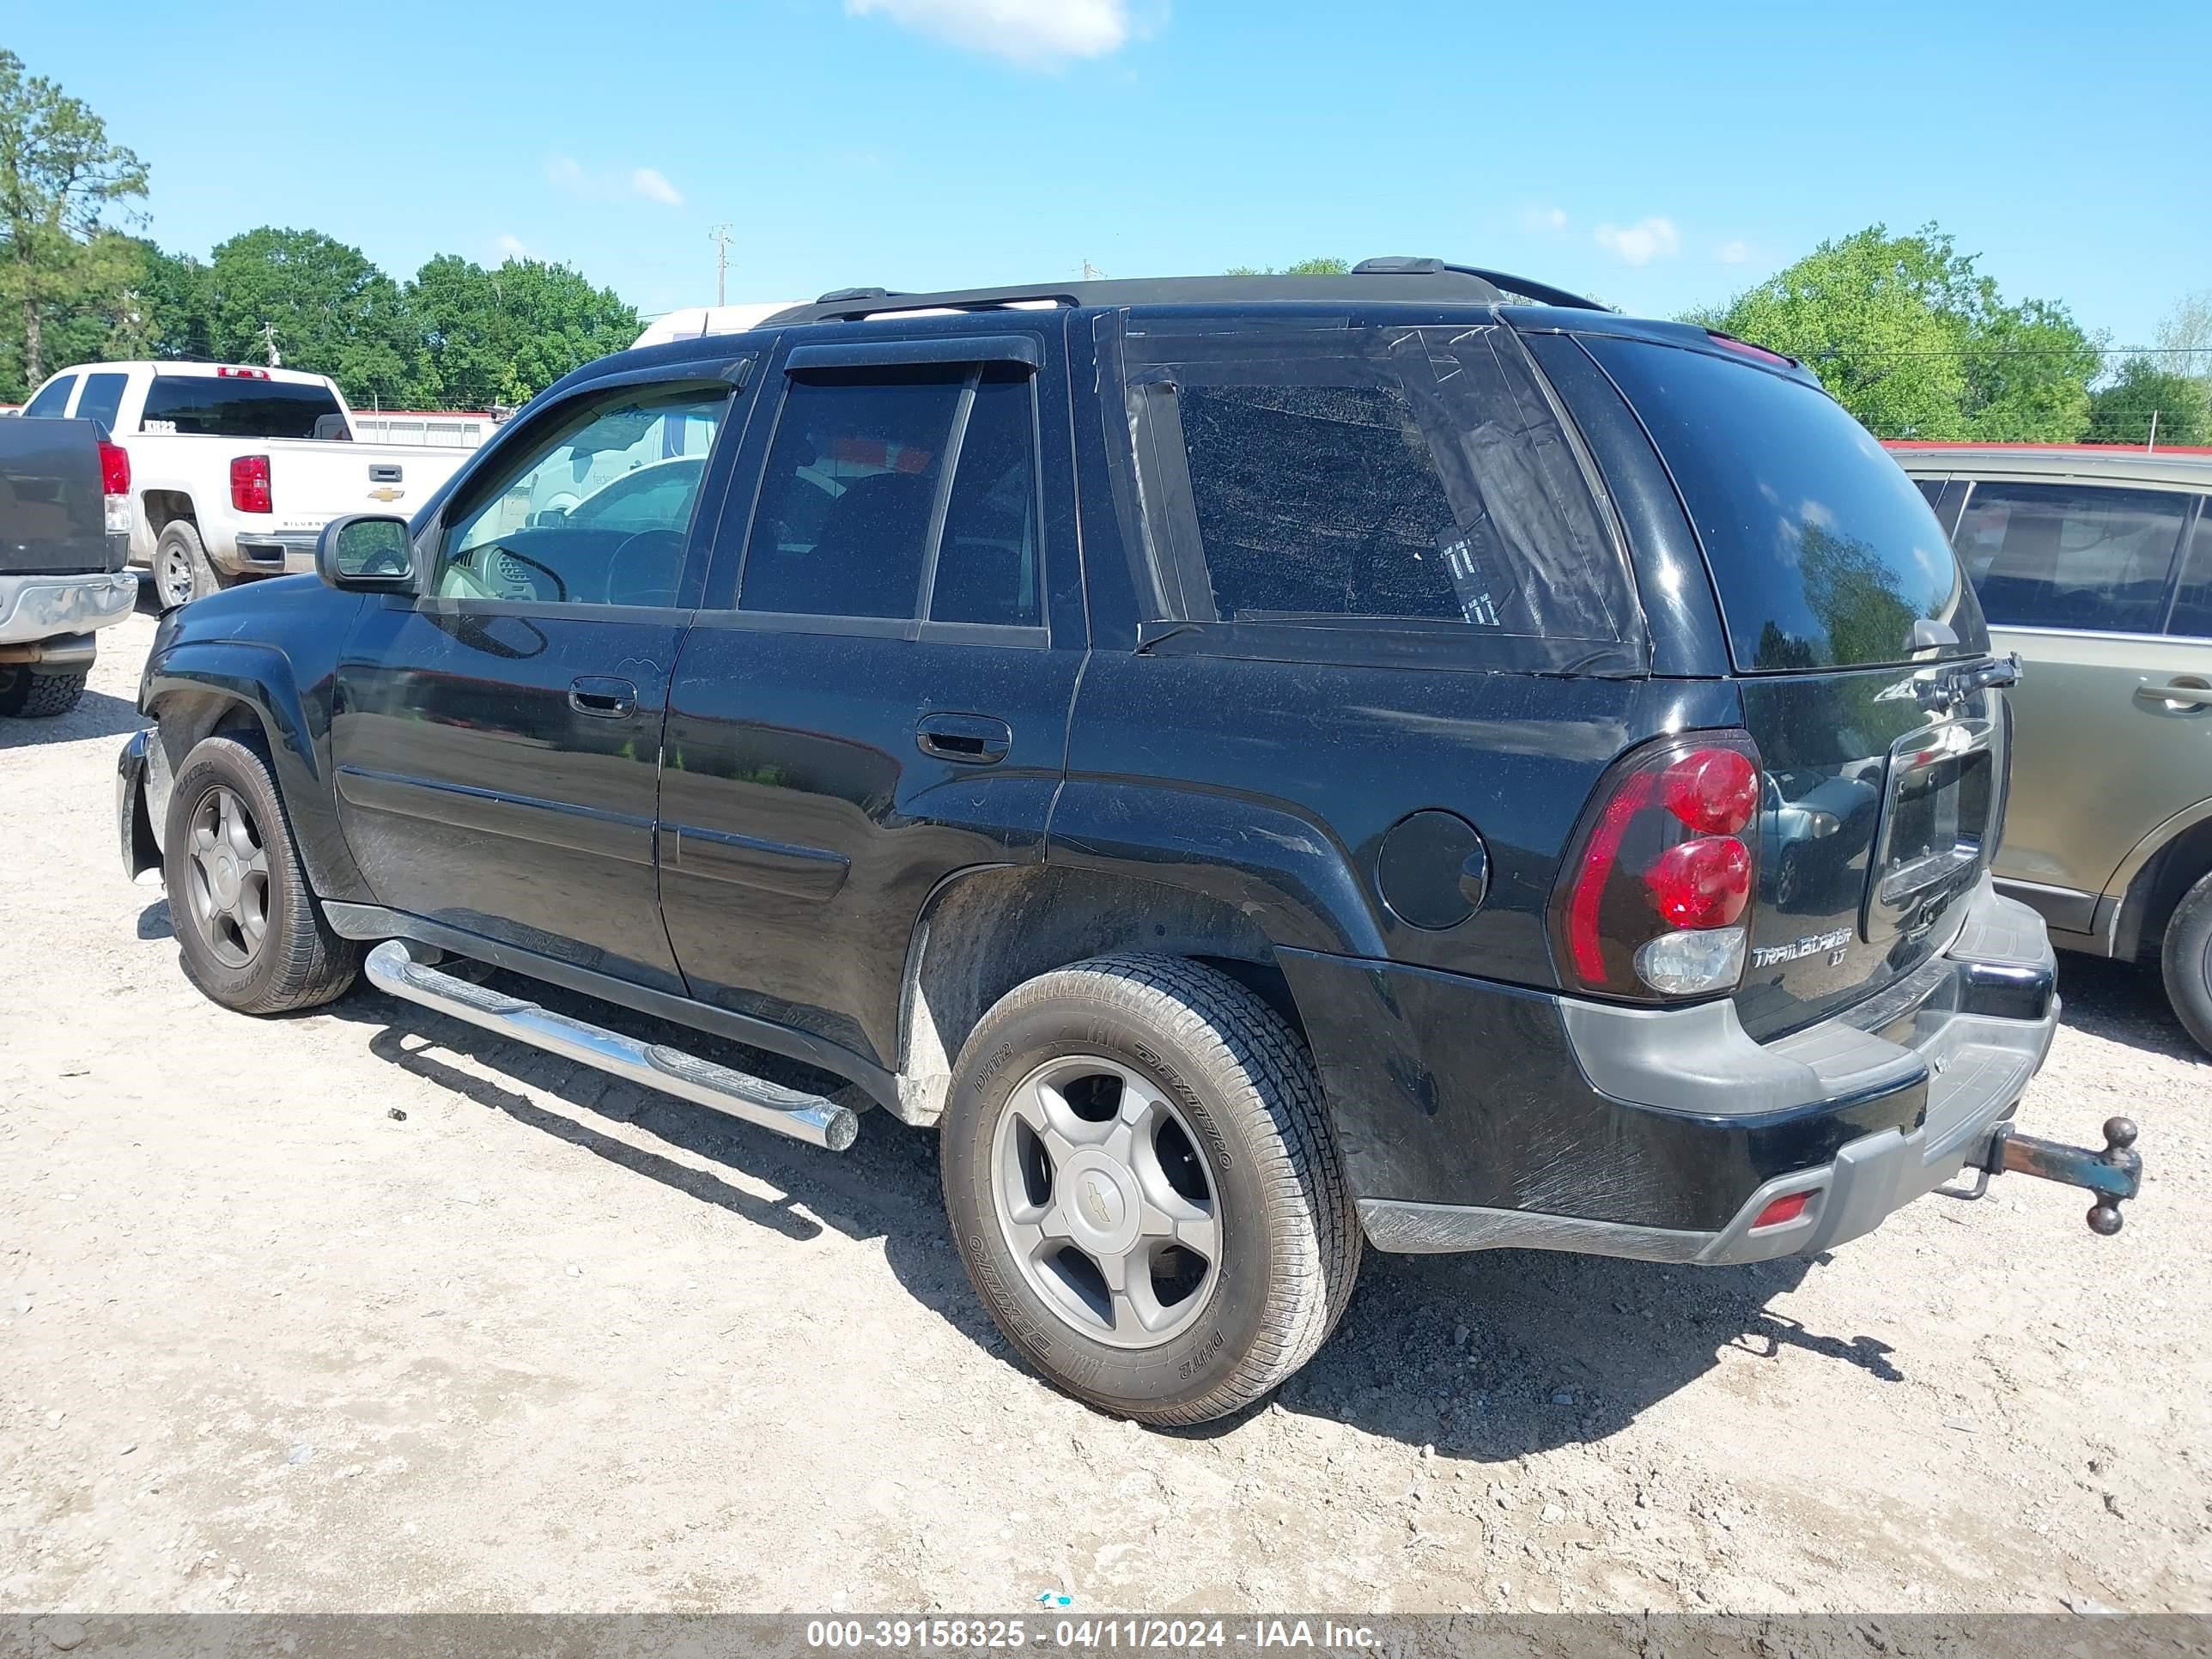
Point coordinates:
[(1655, 156)]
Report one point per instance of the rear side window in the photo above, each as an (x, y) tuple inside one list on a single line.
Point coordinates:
[(102, 399), (2193, 609), (52, 401), (1823, 552), (1411, 484), (208, 407), (2071, 555)]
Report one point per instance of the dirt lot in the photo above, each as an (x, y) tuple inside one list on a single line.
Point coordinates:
[(549, 1342)]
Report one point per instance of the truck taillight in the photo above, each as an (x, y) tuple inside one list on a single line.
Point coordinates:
[(115, 486), (249, 484), (1653, 900)]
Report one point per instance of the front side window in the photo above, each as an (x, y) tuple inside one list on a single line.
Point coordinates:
[(850, 495), (596, 509), (52, 401), (2071, 555)]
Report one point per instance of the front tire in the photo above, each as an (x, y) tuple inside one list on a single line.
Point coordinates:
[(33, 696), (1144, 1189), (252, 935), (182, 569), (2187, 960)]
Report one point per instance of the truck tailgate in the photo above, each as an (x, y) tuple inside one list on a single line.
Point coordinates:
[(312, 481)]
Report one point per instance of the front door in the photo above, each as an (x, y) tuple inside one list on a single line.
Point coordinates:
[(883, 699), (497, 737), (2078, 578)]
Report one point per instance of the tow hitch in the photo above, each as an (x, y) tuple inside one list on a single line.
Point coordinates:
[(2114, 1175)]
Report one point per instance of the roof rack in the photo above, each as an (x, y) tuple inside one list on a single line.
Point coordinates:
[(1398, 278)]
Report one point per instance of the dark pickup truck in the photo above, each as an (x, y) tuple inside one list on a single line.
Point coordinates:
[(64, 535), (1267, 768)]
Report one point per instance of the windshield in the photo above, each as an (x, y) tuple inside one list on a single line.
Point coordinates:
[(1824, 553), (204, 406)]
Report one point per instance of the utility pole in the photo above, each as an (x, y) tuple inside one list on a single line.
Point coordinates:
[(269, 342), (719, 236), (2153, 444)]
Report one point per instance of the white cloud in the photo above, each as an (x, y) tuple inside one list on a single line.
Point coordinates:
[(1642, 242), (511, 245), (610, 184), (1032, 34), (1733, 253), (652, 184), (1551, 219)]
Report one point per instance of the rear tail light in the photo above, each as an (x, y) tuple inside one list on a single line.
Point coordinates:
[(227, 372), (115, 485), (249, 484), (1655, 899), (1782, 1209)]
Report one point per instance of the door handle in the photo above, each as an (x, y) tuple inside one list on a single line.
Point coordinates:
[(602, 698), (2192, 692), (965, 739)]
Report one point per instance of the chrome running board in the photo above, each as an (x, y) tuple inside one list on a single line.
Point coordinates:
[(810, 1118)]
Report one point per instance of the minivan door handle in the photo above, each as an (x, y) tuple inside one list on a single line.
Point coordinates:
[(2191, 693), (602, 698), (965, 739)]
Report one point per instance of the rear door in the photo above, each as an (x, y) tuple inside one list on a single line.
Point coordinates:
[(2078, 578), (498, 738), (1843, 604), (876, 695)]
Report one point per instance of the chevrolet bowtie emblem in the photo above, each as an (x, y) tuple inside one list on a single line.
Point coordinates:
[(386, 493)]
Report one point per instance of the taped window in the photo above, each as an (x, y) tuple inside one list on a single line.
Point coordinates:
[(1408, 483)]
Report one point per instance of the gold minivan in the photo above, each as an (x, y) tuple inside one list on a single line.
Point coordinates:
[(2095, 565)]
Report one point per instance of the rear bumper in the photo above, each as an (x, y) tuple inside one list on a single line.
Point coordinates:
[(274, 553), (50, 607), (1491, 1118)]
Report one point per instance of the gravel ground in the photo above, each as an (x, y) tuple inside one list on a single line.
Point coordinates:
[(367, 1310)]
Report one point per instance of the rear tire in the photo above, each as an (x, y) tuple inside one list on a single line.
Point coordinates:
[(251, 936), (1225, 1142), (182, 569), (29, 696), (2187, 960)]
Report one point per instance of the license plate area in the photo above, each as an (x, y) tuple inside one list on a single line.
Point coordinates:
[(1933, 840)]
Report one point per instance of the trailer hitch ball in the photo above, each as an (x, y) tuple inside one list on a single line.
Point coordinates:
[(2119, 1136)]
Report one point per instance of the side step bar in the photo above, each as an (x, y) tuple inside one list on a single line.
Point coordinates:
[(810, 1118)]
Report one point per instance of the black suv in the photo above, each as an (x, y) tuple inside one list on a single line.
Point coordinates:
[(1266, 766)]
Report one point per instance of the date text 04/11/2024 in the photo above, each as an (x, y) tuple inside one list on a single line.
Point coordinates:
[(1126, 1634)]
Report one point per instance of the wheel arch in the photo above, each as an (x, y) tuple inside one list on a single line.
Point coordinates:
[(2163, 865), (163, 507), (206, 688), (986, 930)]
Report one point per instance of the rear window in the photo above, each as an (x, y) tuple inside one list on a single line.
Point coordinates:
[(1407, 483), (1824, 553), (202, 405)]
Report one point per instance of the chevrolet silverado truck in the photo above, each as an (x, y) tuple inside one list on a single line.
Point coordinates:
[(63, 494), (236, 468), (1264, 768)]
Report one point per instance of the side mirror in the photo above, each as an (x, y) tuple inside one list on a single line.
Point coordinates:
[(549, 518), (365, 553)]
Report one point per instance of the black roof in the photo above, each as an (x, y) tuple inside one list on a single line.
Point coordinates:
[(1431, 281)]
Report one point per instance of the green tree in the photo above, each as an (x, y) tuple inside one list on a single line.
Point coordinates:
[(2123, 412), (1917, 342), (59, 179), (503, 335), (1321, 265), (330, 310)]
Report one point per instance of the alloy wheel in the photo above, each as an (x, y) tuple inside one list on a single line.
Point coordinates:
[(227, 889), (1106, 1202)]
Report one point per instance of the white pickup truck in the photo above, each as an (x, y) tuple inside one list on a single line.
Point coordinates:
[(236, 469)]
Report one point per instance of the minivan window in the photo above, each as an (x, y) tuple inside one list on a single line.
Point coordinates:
[(2192, 608), (842, 525), (209, 406), (2071, 555), (52, 401), (1824, 553), (102, 399)]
